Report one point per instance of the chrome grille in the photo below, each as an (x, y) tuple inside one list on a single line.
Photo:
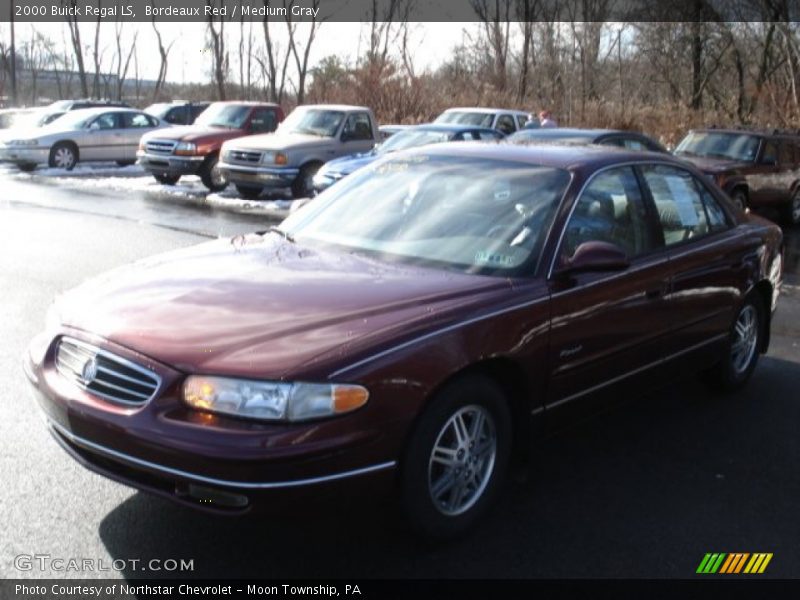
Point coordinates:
[(244, 156), (160, 146), (105, 374)]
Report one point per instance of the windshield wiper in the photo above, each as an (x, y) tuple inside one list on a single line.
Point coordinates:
[(287, 236)]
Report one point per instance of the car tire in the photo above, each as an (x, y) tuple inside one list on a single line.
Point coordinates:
[(742, 347), (791, 212), (739, 198), (26, 167), (126, 163), (211, 176), (63, 156), (249, 192), (456, 458), (167, 179), (303, 185)]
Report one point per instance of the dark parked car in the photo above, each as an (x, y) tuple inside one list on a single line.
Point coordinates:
[(755, 168), (414, 326), (605, 137), (411, 137), (178, 112)]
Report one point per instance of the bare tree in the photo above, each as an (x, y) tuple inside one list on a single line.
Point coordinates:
[(123, 61), (301, 50), (77, 46), (163, 52), (495, 19), (219, 52)]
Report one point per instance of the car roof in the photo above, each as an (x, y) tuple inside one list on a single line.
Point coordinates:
[(450, 128), (559, 132), (481, 109), (99, 110), (558, 156), (344, 107)]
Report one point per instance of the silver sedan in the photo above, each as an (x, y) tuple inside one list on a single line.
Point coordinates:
[(92, 134)]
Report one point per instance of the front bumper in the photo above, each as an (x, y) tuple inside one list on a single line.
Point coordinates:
[(24, 154), (259, 176), (166, 164), (166, 448)]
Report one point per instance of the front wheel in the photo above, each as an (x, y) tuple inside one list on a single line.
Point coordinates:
[(246, 191), (742, 349), (792, 210), (211, 175), (167, 179), (63, 156), (456, 458), (303, 185), (125, 163)]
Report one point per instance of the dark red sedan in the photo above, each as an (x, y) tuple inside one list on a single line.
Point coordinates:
[(420, 325)]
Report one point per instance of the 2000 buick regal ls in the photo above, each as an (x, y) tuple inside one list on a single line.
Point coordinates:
[(419, 324)]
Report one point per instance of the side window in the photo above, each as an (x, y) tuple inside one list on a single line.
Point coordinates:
[(634, 144), (105, 121), (197, 109), (175, 115), (358, 127), (521, 120), (613, 141), (717, 221), (262, 120), (486, 136), (785, 153), (680, 208), (136, 120), (770, 154), (610, 209), (505, 123)]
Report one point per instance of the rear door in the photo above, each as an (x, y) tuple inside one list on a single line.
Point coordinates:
[(607, 326), (708, 261), (135, 125)]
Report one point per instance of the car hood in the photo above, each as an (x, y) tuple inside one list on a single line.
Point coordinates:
[(282, 141), (714, 165), (347, 164), (196, 135), (260, 306)]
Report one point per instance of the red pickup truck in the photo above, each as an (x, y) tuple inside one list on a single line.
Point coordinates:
[(194, 150)]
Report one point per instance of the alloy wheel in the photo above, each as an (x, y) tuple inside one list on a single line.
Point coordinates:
[(745, 339), (462, 460), (64, 158)]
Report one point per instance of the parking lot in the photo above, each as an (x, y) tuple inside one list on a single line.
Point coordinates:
[(643, 491)]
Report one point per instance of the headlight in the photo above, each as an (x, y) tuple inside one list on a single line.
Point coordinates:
[(272, 400), (274, 158), (23, 143), (185, 149)]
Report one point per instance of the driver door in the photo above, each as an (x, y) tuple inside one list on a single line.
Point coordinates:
[(104, 138), (607, 326), (356, 135)]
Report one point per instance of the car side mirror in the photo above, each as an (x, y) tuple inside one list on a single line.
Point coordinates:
[(596, 256)]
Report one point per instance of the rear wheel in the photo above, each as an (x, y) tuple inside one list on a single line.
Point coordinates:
[(742, 349), (456, 458), (303, 185), (791, 213), (167, 179), (246, 191), (63, 156), (27, 167), (211, 176)]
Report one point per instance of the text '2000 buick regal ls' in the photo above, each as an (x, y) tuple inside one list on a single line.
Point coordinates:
[(418, 325)]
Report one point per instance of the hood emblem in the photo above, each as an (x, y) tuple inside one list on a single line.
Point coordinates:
[(89, 371)]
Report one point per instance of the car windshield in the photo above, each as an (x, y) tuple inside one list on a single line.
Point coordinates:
[(734, 146), (231, 116), (433, 210), (411, 139), (476, 119), (312, 121)]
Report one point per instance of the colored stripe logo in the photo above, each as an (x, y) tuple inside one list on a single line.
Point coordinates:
[(734, 563)]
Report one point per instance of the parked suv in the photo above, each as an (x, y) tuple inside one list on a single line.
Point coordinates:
[(755, 168), (289, 158), (178, 112), (194, 150)]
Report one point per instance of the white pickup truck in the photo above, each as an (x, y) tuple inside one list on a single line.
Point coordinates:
[(309, 137)]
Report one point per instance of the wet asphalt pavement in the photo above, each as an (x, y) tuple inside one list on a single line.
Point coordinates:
[(643, 491)]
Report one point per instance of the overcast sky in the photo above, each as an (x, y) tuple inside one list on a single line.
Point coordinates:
[(432, 42)]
